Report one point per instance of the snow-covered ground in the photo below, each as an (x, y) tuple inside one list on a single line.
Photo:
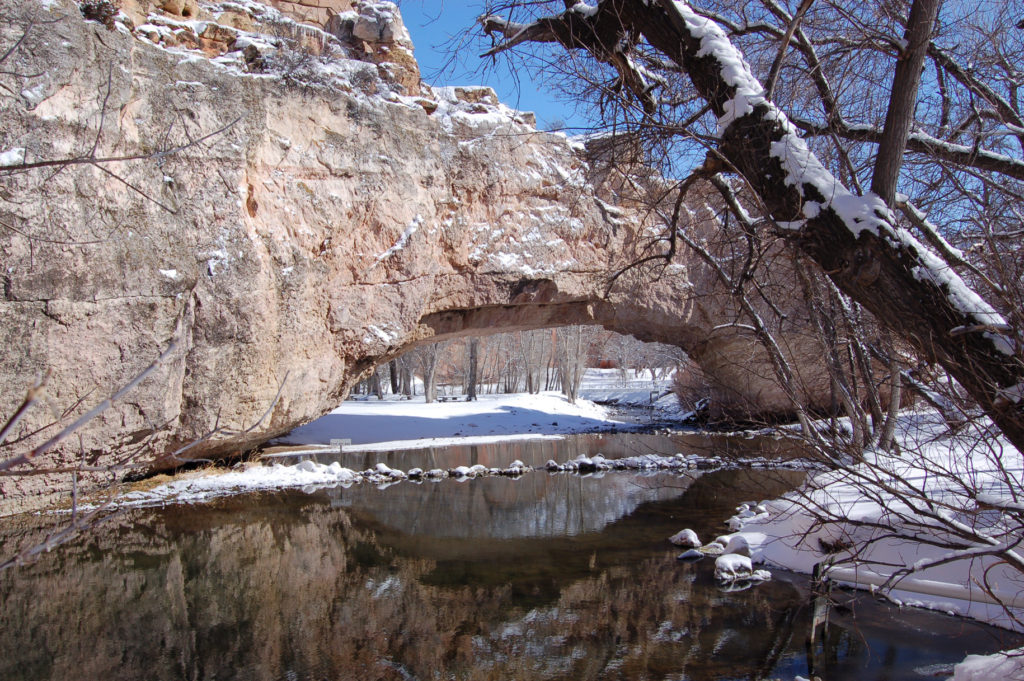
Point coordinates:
[(395, 423), (631, 388), (378, 425), (1007, 665), (929, 524)]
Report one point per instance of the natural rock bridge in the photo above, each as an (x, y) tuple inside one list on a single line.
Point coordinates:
[(327, 227)]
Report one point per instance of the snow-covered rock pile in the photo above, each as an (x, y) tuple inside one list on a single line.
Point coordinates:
[(255, 38), (310, 475), (745, 512), (678, 462), (733, 566)]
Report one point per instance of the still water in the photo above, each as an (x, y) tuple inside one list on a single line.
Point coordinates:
[(546, 577)]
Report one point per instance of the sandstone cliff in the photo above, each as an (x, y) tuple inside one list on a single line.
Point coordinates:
[(292, 207)]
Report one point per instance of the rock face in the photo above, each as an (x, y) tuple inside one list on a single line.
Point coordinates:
[(293, 209)]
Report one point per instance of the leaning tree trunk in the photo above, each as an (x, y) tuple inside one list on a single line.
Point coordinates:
[(854, 239), (867, 255)]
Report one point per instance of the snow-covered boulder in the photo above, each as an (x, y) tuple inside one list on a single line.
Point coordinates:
[(745, 512), (732, 567), (387, 471), (686, 537), (738, 545), (716, 547)]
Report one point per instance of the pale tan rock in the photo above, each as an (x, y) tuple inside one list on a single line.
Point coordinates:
[(187, 9), (377, 30), (136, 10), (329, 226), (313, 11)]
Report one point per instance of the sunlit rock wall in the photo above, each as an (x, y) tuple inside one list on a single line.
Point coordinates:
[(295, 208)]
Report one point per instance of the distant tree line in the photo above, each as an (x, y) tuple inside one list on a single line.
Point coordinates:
[(520, 361)]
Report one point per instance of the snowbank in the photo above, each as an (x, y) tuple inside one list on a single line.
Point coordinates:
[(926, 525), (1007, 665), (408, 424)]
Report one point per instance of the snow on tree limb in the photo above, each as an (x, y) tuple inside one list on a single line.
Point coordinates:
[(807, 175), (855, 239)]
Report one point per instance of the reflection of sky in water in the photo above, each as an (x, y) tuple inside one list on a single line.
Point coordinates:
[(538, 504)]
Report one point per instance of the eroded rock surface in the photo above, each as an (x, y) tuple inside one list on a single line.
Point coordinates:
[(303, 209)]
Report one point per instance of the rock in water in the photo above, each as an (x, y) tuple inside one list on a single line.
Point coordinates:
[(690, 555), (685, 537), (731, 566), (738, 545)]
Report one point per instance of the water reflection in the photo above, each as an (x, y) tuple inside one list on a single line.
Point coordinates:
[(537, 505), (332, 586)]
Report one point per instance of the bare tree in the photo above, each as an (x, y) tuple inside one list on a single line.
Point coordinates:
[(915, 283), (573, 347), (676, 76), (535, 349)]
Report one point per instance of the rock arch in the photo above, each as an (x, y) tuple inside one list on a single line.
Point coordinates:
[(331, 226)]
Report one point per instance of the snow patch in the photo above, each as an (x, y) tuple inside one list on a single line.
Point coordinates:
[(1003, 665), (12, 157), (402, 240)]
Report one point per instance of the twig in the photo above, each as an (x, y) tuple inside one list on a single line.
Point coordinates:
[(91, 414), (31, 397)]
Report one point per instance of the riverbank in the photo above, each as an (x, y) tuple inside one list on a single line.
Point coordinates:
[(379, 426), (935, 525)]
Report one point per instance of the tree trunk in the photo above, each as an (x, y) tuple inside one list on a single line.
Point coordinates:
[(474, 344), (430, 381), (880, 267), (393, 371), (903, 98)]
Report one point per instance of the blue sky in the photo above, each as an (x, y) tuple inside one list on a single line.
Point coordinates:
[(437, 25)]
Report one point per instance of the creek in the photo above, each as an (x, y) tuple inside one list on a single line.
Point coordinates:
[(548, 576)]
